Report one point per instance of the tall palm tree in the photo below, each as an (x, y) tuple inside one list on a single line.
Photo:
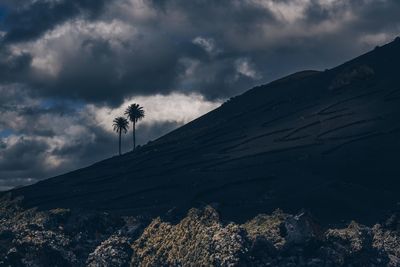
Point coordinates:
[(135, 113), (120, 125)]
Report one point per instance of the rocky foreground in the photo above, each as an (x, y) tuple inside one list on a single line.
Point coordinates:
[(62, 237)]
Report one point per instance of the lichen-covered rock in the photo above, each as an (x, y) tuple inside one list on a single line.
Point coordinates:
[(116, 251), (352, 246), (282, 239), (91, 225), (32, 238), (60, 237), (198, 240), (283, 230), (40, 248), (268, 227), (353, 238), (388, 241), (301, 229), (278, 239)]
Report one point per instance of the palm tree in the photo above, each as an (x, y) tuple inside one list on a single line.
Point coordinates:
[(135, 113), (120, 125)]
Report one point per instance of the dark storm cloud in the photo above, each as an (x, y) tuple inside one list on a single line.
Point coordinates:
[(27, 117), (23, 155), (372, 16), (158, 55), (33, 158), (99, 74), (95, 75), (28, 20), (21, 162), (150, 63), (46, 141), (13, 67)]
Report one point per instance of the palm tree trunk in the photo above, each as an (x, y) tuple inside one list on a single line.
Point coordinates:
[(120, 142), (134, 135)]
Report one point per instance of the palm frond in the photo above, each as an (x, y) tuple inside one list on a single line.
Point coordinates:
[(120, 124), (134, 112)]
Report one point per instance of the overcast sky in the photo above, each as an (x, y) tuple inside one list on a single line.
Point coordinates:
[(68, 67)]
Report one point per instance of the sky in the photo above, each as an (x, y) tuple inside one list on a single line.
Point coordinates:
[(68, 67)]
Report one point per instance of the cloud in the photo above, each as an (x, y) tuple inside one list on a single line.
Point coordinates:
[(208, 44), (27, 20), (246, 68), (13, 66), (174, 108), (104, 52)]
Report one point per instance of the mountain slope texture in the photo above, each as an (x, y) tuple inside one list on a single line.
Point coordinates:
[(327, 142)]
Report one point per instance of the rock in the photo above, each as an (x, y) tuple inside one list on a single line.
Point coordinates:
[(62, 237), (282, 239), (388, 241), (279, 239), (352, 245), (283, 230), (301, 229), (92, 224), (199, 239), (40, 248), (116, 251), (268, 227)]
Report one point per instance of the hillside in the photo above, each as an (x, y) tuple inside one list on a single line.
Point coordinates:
[(324, 141)]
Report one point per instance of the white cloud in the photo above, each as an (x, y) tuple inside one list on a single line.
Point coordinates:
[(208, 44), (246, 68), (376, 39), (294, 10), (65, 40), (175, 107), (288, 11)]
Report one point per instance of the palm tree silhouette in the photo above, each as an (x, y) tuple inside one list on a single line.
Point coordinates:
[(135, 113), (120, 124)]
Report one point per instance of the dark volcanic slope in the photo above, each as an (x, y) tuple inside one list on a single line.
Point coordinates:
[(325, 141)]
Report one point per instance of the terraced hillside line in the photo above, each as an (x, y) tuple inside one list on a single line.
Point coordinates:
[(357, 97), (269, 152), (362, 138), (287, 115), (350, 136), (348, 125), (393, 95), (248, 140), (339, 116), (297, 130)]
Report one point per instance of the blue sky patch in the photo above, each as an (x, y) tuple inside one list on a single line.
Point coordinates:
[(3, 13), (5, 133)]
